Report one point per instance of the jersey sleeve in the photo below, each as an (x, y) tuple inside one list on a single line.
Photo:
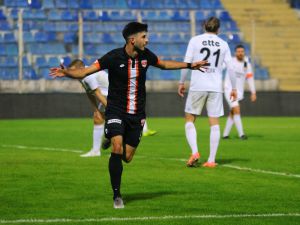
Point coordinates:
[(104, 62), (189, 55), (153, 59)]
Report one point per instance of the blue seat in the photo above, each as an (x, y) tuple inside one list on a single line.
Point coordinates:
[(73, 4), (85, 4), (53, 62), (200, 16), (70, 38), (104, 16), (41, 37), (61, 4), (235, 38), (4, 26), (11, 61), (107, 38), (25, 62), (29, 74), (225, 16), (134, 4), (48, 4), (217, 4), (9, 38), (54, 15), (18, 3), (2, 16), (128, 15), (35, 4), (11, 49), (44, 73), (90, 16), (41, 62), (2, 49), (67, 60), (97, 4), (181, 16), (28, 37), (69, 16)]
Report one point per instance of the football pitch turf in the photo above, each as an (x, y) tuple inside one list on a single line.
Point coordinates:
[(44, 181)]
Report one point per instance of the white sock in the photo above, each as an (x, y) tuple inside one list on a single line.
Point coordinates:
[(191, 136), (238, 124), (214, 142), (145, 128), (97, 137), (228, 126)]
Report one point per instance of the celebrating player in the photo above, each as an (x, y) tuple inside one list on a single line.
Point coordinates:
[(206, 88), (243, 70), (125, 111)]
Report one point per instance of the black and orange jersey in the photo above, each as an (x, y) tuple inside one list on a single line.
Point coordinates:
[(127, 77)]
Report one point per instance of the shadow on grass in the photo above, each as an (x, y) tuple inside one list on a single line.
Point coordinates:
[(144, 196), (229, 161)]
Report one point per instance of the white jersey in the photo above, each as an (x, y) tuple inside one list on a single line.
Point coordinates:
[(242, 71), (96, 80), (212, 48)]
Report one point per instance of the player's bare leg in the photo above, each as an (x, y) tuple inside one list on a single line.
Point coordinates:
[(214, 141), (191, 136)]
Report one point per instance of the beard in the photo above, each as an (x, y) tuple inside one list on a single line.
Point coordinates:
[(138, 50)]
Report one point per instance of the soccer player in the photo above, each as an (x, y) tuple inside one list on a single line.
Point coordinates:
[(243, 70), (96, 88), (206, 88), (125, 111)]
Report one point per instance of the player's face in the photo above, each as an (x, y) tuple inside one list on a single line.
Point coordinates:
[(141, 40), (240, 54)]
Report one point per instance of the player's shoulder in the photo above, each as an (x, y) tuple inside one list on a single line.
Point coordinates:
[(115, 52)]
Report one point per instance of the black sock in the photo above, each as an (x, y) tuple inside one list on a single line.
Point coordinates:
[(115, 171)]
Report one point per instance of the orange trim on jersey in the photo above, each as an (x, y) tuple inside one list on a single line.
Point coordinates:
[(136, 84), (97, 64), (249, 75), (128, 86), (158, 61)]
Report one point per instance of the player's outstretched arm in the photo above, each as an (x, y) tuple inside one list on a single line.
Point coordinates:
[(174, 65), (101, 98), (73, 73)]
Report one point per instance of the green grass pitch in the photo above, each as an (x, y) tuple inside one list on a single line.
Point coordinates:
[(43, 177)]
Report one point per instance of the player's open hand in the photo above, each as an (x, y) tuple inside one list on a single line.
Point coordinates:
[(56, 72), (200, 65), (253, 97), (181, 90), (233, 95)]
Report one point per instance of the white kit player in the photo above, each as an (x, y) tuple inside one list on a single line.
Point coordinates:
[(96, 87), (206, 87), (243, 71)]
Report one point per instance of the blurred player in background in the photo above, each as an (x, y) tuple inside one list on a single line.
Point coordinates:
[(96, 88), (147, 132), (125, 111), (206, 88), (243, 70)]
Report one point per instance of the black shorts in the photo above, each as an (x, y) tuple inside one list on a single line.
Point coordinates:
[(128, 126)]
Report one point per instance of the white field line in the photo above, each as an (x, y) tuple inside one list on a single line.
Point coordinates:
[(147, 218), (161, 158), (41, 148), (261, 171)]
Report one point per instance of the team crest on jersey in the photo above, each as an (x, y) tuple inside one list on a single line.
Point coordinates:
[(144, 63)]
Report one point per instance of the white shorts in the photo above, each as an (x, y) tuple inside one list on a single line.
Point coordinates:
[(213, 100), (231, 103)]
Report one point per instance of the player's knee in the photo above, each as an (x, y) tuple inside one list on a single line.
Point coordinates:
[(117, 148)]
